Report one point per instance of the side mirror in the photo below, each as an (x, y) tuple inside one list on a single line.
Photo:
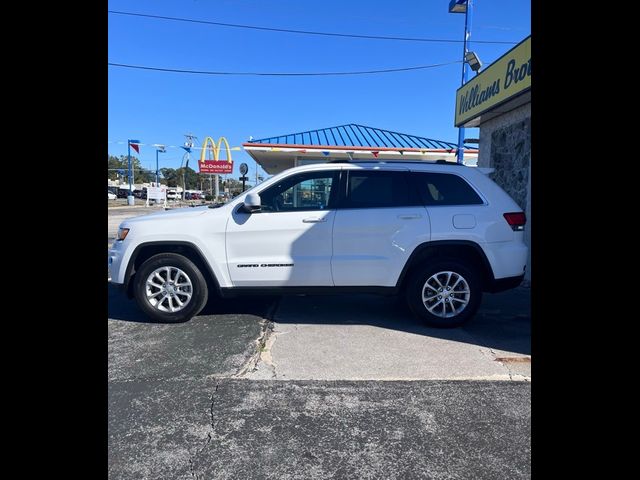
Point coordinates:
[(251, 203)]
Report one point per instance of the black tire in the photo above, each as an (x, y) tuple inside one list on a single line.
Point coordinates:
[(418, 280), (199, 291)]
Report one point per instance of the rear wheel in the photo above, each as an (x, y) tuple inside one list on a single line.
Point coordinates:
[(170, 288), (445, 293)]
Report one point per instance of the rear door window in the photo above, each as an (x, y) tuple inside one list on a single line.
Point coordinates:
[(378, 189)]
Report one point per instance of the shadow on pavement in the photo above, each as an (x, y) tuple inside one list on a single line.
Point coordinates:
[(125, 309), (122, 308), (503, 321)]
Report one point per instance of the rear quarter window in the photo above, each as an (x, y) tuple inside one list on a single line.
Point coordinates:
[(444, 189)]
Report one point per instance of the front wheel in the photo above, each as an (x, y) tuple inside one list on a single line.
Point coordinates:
[(444, 293), (170, 288)]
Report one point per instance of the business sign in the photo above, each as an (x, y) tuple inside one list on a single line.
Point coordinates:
[(157, 193), (504, 79), (215, 165)]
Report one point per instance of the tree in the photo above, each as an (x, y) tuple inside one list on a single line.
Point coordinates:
[(171, 177), (121, 163), (191, 180)]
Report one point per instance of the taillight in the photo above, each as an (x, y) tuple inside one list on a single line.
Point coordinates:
[(516, 220)]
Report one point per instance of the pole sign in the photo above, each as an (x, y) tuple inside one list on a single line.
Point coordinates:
[(504, 79), (157, 193), (215, 165)]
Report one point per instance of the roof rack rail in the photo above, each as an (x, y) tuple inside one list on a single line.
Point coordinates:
[(446, 162), (360, 160)]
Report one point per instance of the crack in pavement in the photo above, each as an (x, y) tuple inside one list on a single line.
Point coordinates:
[(265, 354), (253, 359), (513, 376), (249, 365), (265, 341), (510, 372), (192, 469)]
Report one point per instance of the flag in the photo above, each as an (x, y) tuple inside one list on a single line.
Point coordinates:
[(188, 149), (134, 145), (375, 154), (326, 154)]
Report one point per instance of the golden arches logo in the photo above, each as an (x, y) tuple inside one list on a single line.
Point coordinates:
[(215, 148)]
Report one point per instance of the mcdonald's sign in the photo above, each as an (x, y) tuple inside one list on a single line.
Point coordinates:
[(215, 165)]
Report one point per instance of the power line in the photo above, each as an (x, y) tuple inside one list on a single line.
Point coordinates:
[(282, 74), (305, 32)]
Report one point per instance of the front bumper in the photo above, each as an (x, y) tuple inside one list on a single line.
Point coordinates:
[(115, 262)]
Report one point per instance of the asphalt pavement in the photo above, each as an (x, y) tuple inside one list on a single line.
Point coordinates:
[(161, 377), (367, 430)]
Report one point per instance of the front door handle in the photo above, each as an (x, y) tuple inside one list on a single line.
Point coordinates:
[(410, 217), (314, 220)]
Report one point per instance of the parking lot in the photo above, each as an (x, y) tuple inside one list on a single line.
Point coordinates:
[(346, 386)]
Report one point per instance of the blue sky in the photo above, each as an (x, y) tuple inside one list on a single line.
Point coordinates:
[(159, 107)]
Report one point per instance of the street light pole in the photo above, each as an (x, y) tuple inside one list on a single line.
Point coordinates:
[(455, 6), (160, 149), (130, 199), (185, 163)]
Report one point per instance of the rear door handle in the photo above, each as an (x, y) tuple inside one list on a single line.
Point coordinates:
[(314, 220), (410, 217)]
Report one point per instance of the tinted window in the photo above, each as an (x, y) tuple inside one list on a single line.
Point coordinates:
[(306, 191), (371, 189), (445, 189)]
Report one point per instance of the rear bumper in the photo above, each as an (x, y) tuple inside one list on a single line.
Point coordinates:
[(502, 284)]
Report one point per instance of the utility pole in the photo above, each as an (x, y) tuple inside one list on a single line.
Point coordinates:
[(130, 198), (159, 149), (466, 7)]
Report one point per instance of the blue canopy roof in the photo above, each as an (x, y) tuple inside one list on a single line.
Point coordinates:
[(356, 136)]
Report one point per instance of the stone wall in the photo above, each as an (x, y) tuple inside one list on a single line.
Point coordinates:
[(505, 144), (510, 156)]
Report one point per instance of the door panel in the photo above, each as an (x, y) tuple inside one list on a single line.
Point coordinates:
[(372, 245), (381, 223), (280, 249), (288, 243)]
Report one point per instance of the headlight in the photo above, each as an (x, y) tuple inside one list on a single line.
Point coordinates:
[(122, 233)]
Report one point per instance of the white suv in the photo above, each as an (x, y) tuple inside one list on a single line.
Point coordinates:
[(438, 233)]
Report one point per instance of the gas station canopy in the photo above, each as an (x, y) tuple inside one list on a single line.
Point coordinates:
[(351, 141)]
